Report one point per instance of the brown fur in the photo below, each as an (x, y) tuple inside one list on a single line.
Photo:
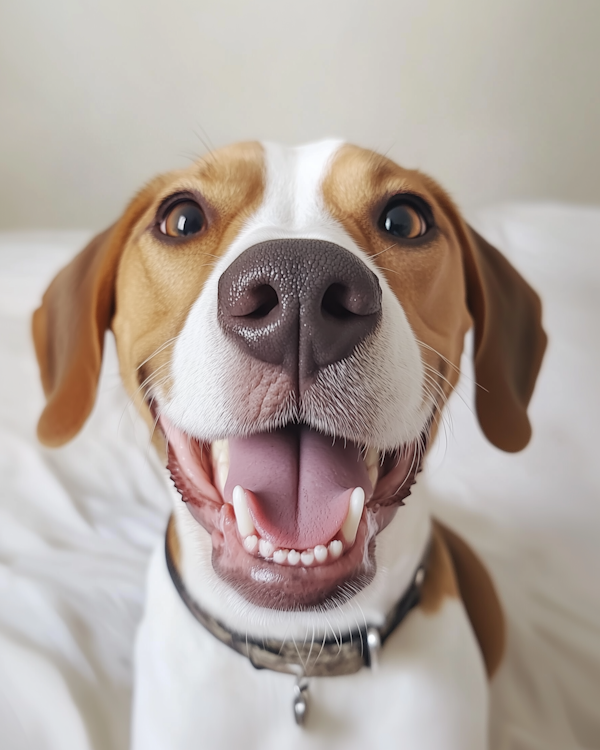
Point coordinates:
[(69, 326), (128, 279), (445, 283), (231, 184), (455, 570), (440, 580), (142, 286)]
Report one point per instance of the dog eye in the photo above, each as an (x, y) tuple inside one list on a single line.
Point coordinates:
[(403, 219), (183, 219)]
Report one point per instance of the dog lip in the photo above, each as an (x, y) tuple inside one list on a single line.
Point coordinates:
[(279, 585), (285, 587)]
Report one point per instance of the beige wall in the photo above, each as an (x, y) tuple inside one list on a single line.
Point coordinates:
[(499, 100)]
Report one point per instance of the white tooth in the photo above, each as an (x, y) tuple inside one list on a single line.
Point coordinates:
[(372, 457), (218, 446), (280, 556), (293, 557), (372, 464), (335, 548), (265, 548), (320, 553), (222, 473), (307, 557), (220, 456), (243, 518), (350, 525), (250, 542)]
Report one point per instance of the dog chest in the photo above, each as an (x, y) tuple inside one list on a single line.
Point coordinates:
[(430, 688)]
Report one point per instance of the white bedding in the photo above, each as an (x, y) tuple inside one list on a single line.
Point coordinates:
[(77, 524)]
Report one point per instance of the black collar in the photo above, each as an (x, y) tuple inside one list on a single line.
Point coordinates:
[(327, 658)]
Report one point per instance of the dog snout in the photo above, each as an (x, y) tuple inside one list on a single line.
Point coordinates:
[(299, 303)]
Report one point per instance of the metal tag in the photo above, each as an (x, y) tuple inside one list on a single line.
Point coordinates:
[(300, 700)]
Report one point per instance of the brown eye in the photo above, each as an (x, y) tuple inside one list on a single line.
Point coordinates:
[(183, 219), (403, 220)]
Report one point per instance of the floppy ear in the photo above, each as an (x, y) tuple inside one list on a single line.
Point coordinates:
[(509, 342), (69, 327)]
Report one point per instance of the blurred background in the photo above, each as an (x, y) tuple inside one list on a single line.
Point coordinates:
[(498, 100)]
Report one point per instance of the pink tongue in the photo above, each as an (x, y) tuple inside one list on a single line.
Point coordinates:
[(301, 484)]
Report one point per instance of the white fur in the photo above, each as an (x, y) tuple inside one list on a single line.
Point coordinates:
[(191, 691), (400, 548), (205, 379), (429, 692), (204, 396)]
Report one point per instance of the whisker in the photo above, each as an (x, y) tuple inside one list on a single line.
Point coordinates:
[(451, 364), (440, 414), (321, 649), (431, 370), (439, 354), (160, 349), (208, 146), (390, 270), (149, 380), (385, 249)]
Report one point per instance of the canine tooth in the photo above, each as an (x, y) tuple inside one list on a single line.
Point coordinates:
[(372, 465), (320, 553), (371, 456), (307, 557), (293, 557), (222, 472), (265, 548), (350, 525), (220, 454), (250, 542), (373, 473), (243, 518), (335, 548), (280, 556), (220, 447)]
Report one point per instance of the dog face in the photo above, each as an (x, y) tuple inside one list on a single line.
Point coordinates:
[(291, 321)]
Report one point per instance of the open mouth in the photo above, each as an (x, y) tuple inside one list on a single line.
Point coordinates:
[(293, 514)]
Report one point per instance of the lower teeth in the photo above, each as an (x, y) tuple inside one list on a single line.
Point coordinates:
[(293, 557), (320, 554), (307, 557), (250, 543)]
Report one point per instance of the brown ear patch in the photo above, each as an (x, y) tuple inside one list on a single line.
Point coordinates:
[(69, 326), (454, 570), (440, 580), (479, 596), (68, 333), (509, 343), (444, 285), (140, 287)]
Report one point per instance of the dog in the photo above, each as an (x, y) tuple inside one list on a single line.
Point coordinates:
[(289, 323)]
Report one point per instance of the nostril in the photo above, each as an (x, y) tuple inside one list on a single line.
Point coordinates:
[(300, 304), (257, 303), (334, 302)]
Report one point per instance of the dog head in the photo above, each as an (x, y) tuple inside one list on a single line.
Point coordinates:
[(290, 322)]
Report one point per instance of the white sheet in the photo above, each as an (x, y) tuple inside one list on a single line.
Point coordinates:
[(77, 524)]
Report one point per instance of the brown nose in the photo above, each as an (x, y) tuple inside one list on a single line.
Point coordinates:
[(300, 303)]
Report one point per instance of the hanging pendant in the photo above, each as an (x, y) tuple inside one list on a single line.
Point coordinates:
[(300, 700)]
